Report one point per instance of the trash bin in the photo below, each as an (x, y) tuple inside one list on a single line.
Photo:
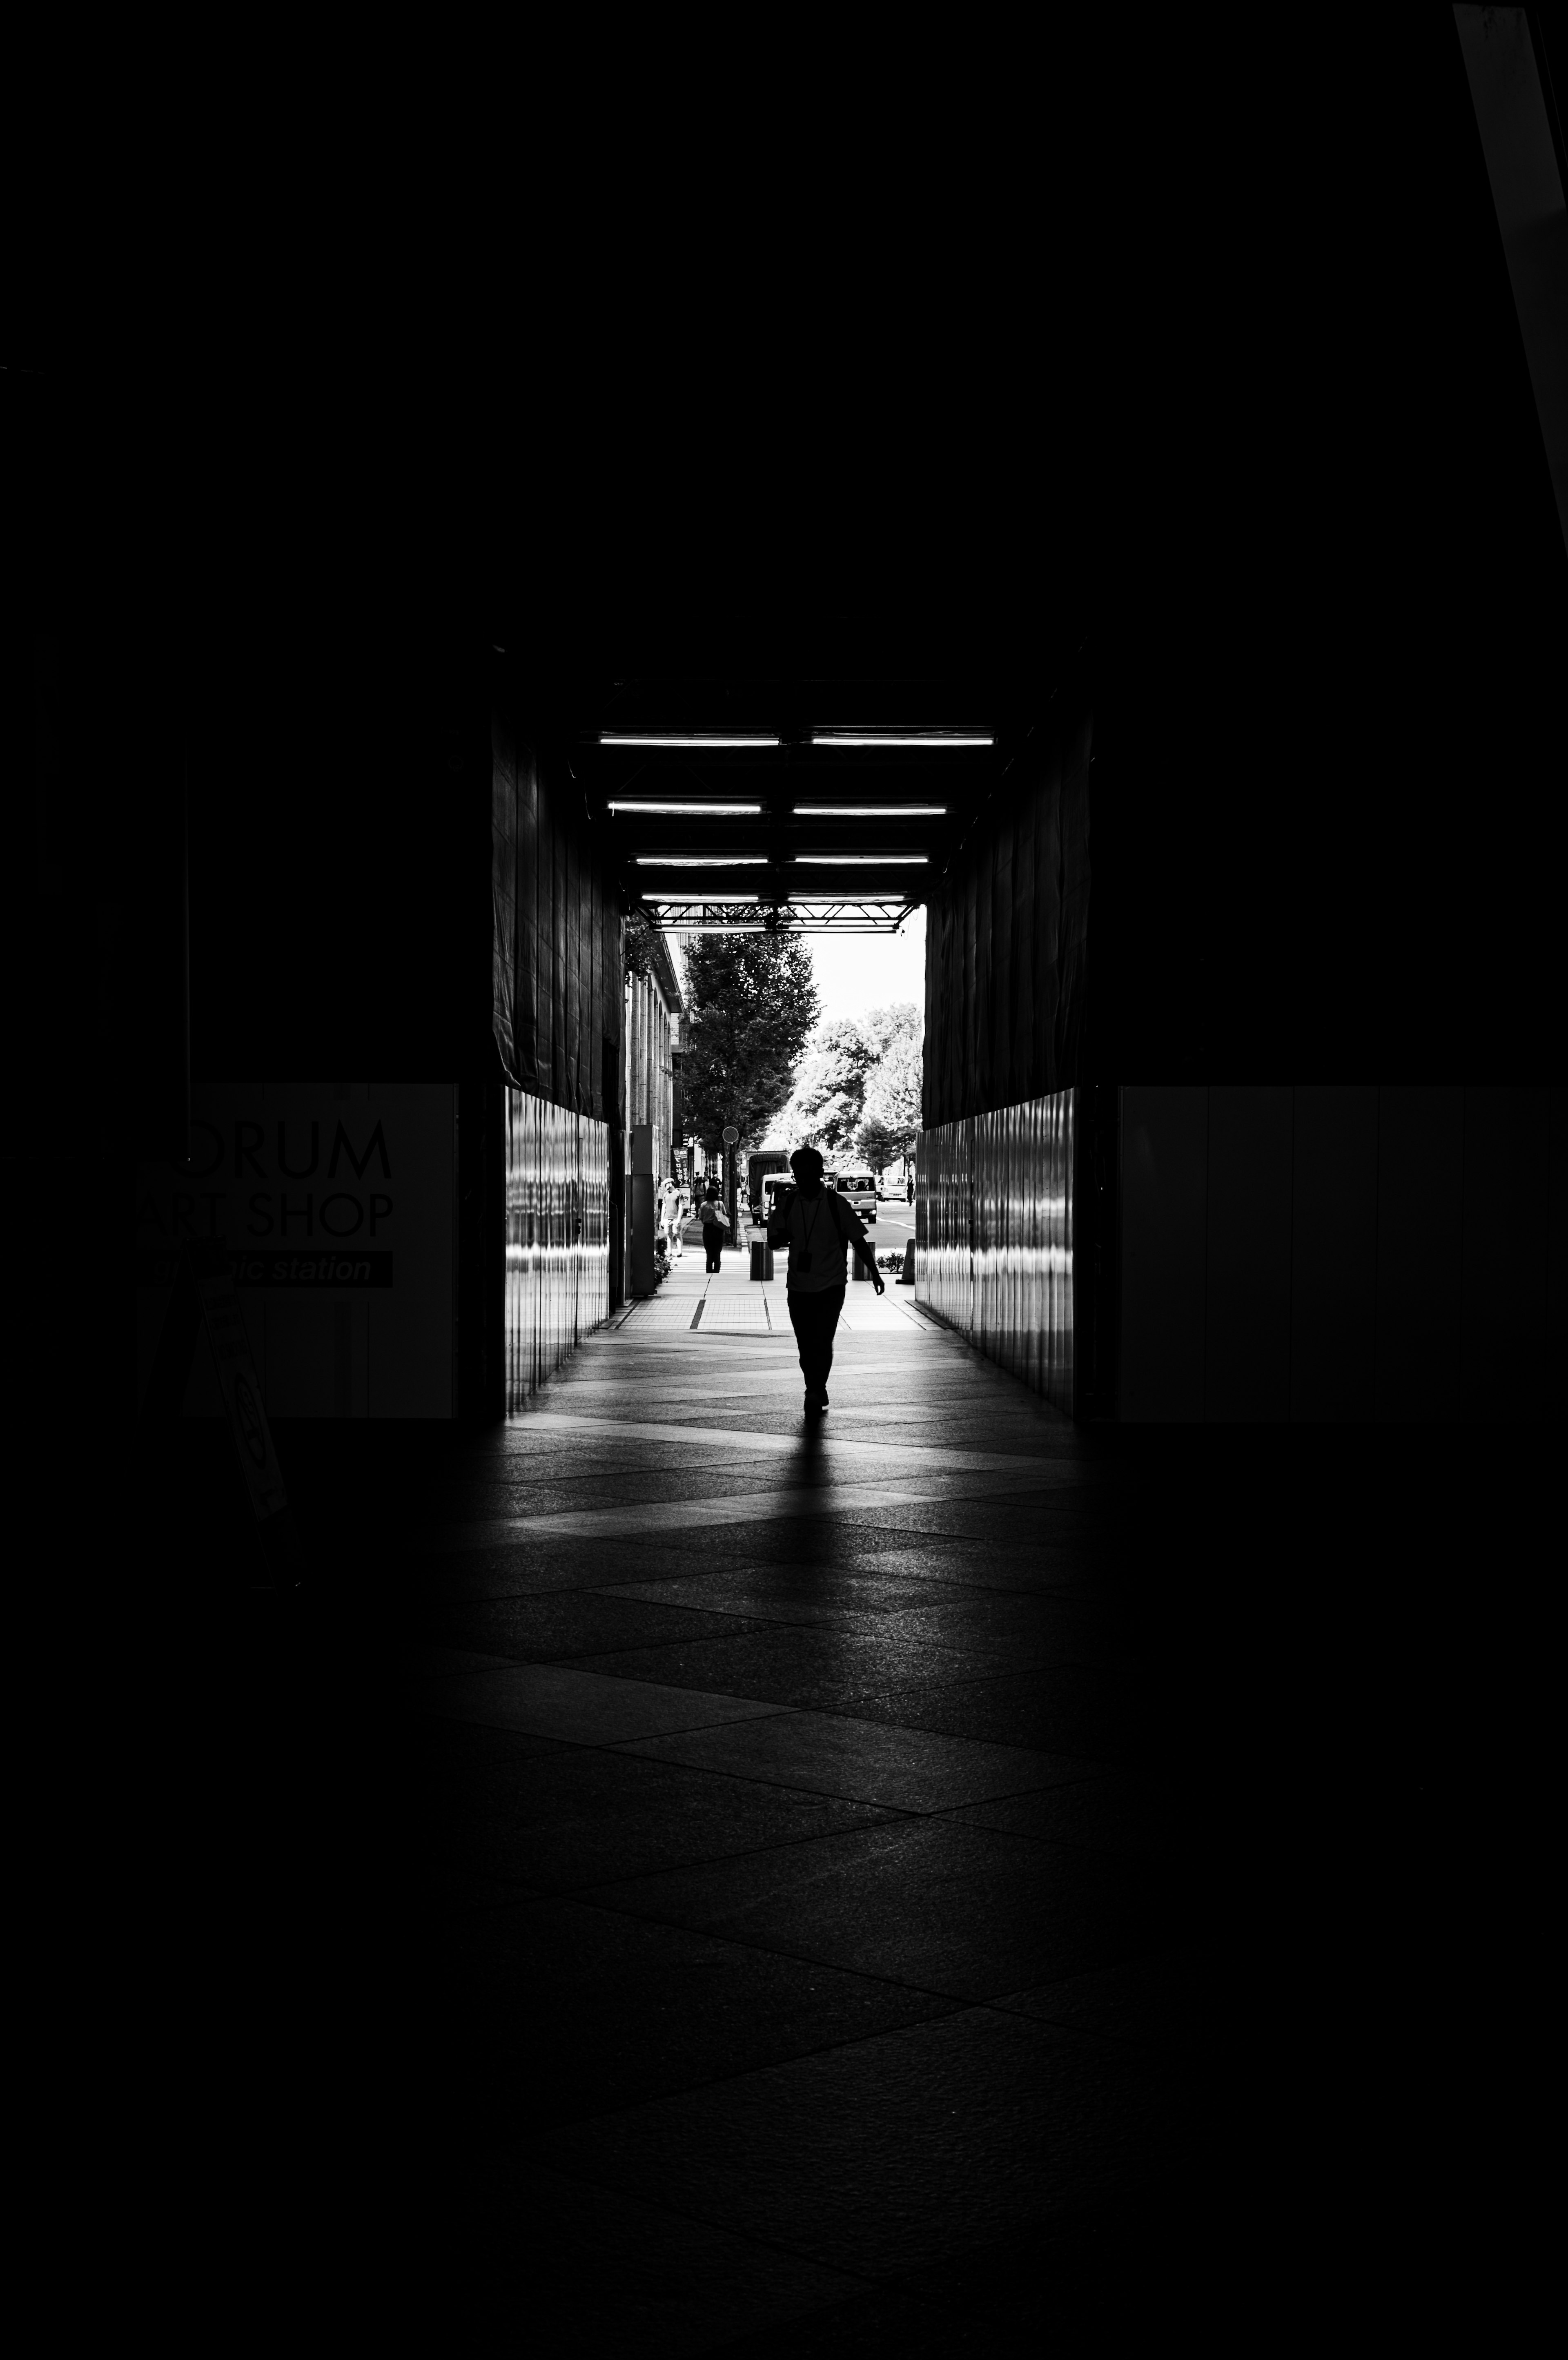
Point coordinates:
[(907, 1276), (861, 1271), (761, 1258)]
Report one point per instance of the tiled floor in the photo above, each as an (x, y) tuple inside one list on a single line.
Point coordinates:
[(923, 1886)]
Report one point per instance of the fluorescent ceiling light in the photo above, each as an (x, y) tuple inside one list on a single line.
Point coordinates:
[(868, 898), (868, 811), (695, 811), (691, 744), (701, 901), (701, 861), (860, 860), (933, 738), (717, 927)]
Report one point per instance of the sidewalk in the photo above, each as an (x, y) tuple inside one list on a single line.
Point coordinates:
[(735, 1304), (678, 1882)]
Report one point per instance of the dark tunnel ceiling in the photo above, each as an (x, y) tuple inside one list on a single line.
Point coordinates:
[(826, 866)]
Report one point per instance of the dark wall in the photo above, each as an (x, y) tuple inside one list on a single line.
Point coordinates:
[(1341, 1253), (1007, 935), (340, 853), (1332, 732)]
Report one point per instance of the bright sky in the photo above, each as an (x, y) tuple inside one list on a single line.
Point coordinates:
[(857, 972)]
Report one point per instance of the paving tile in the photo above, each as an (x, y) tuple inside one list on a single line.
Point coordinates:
[(901, 2149), (585, 1708), (978, 1517), (570, 2267), (565, 1623), (1073, 1709), (958, 1910), (430, 1661), (1174, 1998), (1116, 1814), (1105, 2275), (582, 1816), (906, 1769), (997, 1564), (526, 1566), (586, 2011), (623, 1981), (798, 1665), (797, 1592)]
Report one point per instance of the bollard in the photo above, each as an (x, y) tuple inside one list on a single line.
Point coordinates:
[(907, 1277), (758, 1253)]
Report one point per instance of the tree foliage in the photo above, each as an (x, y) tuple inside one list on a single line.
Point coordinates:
[(637, 944), (824, 1106), (857, 1088), (751, 1002), (890, 1120)]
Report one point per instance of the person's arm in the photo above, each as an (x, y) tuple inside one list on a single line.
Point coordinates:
[(861, 1247), (864, 1253)]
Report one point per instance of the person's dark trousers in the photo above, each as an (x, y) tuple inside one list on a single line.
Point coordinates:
[(814, 1318), (714, 1244)]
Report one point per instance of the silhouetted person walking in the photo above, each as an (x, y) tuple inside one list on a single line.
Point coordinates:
[(816, 1225)]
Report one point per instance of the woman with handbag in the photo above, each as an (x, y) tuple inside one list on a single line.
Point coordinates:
[(715, 1221)]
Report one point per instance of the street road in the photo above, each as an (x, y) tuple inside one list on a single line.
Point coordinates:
[(895, 1222)]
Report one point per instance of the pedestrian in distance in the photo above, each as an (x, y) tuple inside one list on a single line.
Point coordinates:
[(910, 1187), (715, 1221), (816, 1225)]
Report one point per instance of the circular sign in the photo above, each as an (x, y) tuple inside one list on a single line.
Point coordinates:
[(730, 1134)]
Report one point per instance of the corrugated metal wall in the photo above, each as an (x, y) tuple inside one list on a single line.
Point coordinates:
[(1007, 947), (994, 1256), (556, 937), (558, 1237), (1006, 938)]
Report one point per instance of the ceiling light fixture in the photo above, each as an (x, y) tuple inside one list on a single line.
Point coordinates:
[(693, 811), (718, 927), (687, 744), (870, 810), (916, 738), (701, 861), (871, 895), (701, 901), (860, 860)]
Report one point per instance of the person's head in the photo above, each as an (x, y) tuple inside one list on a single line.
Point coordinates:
[(808, 1167)]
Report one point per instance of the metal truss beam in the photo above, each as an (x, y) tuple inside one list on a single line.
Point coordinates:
[(830, 913)]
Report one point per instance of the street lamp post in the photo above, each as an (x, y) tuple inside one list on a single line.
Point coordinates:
[(730, 1136)]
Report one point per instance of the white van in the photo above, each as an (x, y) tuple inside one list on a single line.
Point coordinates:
[(773, 1185), (859, 1188)]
